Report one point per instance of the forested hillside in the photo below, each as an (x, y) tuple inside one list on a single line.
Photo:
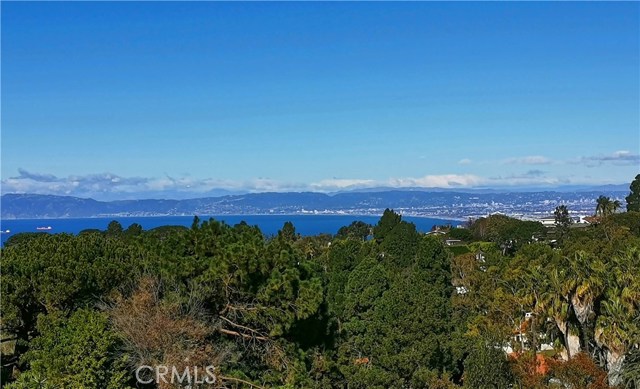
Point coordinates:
[(501, 303)]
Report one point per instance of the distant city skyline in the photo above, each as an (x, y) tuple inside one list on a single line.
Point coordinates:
[(137, 99)]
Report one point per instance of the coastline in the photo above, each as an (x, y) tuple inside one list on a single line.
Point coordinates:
[(421, 216)]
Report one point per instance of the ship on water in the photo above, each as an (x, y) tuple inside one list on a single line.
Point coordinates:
[(47, 228)]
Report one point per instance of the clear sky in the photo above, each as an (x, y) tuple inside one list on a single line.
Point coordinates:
[(122, 99)]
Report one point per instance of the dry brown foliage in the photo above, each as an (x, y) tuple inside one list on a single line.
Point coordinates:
[(579, 372), (157, 332)]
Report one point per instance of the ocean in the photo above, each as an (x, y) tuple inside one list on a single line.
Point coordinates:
[(269, 224)]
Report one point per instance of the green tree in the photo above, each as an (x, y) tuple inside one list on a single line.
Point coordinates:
[(260, 293), (357, 230), (507, 232), (133, 230), (387, 222), (78, 352), (563, 220), (59, 272), (463, 234), (629, 221), (487, 367), (288, 232), (633, 199), (342, 259), (114, 229), (397, 315), (400, 244)]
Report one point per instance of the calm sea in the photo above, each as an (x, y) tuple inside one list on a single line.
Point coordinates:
[(269, 224)]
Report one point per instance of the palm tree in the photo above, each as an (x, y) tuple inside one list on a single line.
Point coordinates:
[(631, 369), (531, 284), (615, 205), (624, 269), (605, 206), (625, 309), (615, 332), (585, 283), (555, 300)]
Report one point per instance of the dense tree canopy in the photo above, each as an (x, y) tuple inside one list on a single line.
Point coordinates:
[(512, 304), (633, 199)]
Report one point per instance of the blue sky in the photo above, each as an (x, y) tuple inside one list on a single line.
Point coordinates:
[(121, 99)]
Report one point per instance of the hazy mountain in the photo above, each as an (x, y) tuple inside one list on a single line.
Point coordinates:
[(439, 203)]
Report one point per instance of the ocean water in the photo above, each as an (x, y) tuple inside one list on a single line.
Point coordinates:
[(268, 224)]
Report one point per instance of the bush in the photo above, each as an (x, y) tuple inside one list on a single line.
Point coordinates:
[(486, 367), (463, 234), (579, 372)]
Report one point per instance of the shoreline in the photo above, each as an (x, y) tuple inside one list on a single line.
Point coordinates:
[(239, 215)]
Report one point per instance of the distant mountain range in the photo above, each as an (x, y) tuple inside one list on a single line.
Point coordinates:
[(452, 204)]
